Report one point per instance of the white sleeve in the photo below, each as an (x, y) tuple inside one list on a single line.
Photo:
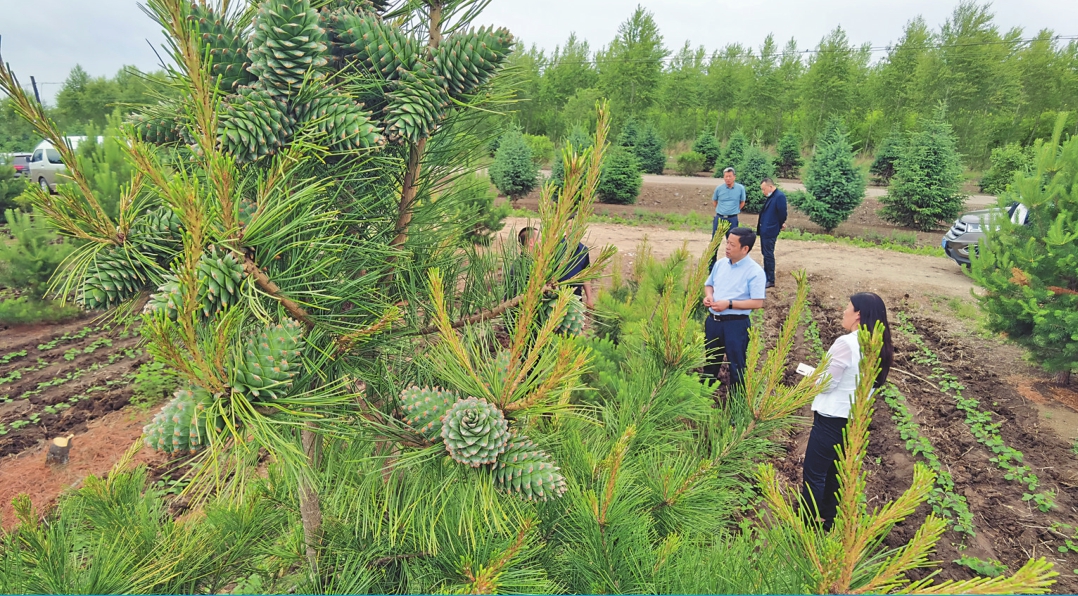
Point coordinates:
[(841, 358)]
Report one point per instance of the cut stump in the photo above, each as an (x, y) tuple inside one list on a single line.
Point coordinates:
[(59, 450)]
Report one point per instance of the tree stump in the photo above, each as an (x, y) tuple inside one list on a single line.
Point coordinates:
[(59, 450)]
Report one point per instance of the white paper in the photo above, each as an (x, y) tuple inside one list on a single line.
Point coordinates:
[(804, 369)]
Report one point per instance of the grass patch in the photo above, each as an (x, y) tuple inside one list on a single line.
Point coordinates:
[(26, 311)]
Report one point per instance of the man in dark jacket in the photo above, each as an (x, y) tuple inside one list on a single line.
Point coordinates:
[(772, 221)]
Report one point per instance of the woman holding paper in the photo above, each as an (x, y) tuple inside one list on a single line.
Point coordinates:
[(831, 408)]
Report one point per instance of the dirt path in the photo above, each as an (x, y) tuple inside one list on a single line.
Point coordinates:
[(845, 268)]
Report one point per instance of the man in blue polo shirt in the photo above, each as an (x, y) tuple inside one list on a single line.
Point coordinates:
[(733, 290), (729, 200)]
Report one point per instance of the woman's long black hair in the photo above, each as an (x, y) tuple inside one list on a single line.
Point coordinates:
[(872, 309)]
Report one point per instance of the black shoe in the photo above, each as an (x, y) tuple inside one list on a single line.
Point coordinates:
[(769, 284)]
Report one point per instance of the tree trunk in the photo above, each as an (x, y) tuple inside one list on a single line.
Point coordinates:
[(310, 508), (1063, 378)]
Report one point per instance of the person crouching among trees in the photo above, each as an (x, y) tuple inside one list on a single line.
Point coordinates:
[(733, 290), (831, 408)]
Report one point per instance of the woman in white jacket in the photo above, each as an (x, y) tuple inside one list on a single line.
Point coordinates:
[(831, 408)]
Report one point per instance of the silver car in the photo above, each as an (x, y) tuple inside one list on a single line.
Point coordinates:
[(968, 229), (45, 165)]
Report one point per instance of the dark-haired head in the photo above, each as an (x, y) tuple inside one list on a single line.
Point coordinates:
[(526, 235), (871, 309)]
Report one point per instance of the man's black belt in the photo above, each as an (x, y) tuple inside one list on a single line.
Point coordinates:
[(728, 317), (728, 216)]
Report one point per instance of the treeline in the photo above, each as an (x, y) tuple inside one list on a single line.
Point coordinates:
[(83, 103), (999, 85)]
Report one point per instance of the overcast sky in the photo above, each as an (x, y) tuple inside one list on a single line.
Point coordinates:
[(46, 38)]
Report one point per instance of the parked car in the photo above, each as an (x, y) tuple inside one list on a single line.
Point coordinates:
[(20, 161), (45, 165), (968, 230)]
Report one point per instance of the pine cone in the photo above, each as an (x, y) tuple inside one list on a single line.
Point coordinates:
[(468, 60), (167, 298), (424, 408), (180, 426), (288, 45), (228, 52), (343, 122), (112, 278), (416, 106), (254, 124), (219, 279), (475, 432), (575, 315), (527, 471), (270, 361), (380, 49)]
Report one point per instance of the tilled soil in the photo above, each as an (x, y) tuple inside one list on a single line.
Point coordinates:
[(38, 404), (1007, 528)]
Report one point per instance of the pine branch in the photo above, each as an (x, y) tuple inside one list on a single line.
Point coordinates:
[(268, 286), (1035, 577), (479, 317)]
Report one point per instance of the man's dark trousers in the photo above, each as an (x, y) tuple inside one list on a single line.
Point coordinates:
[(715, 224), (821, 469), (729, 337), (767, 247)]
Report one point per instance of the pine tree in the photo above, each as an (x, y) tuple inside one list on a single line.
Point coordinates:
[(733, 153), (578, 140), (883, 166), (650, 150), (1006, 161), (788, 161), (754, 167), (514, 172), (927, 186), (707, 145), (1030, 272), (834, 185), (620, 180)]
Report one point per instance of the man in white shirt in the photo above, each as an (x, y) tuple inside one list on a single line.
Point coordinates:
[(733, 290)]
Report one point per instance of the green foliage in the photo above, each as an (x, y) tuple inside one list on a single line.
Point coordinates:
[(104, 164), (513, 171), (542, 149), (1029, 271), (927, 186), (987, 568), (25, 310), (621, 180), (834, 185), (153, 383), (650, 150), (788, 161), (733, 153), (1006, 161), (707, 145), (28, 263), (10, 186), (690, 162), (477, 211), (755, 165), (630, 67), (889, 151)]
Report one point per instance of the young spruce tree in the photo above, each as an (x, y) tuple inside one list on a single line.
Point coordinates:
[(733, 153), (707, 145), (927, 186), (514, 172), (1030, 271), (788, 161), (835, 186), (883, 166)]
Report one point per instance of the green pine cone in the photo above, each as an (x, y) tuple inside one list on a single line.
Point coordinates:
[(269, 362), (575, 315), (424, 408), (112, 278), (228, 52), (158, 130), (475, 431), (158, 233), (254, 124), (168, 298), (288, 45), (180, 426), (341, 120), (416, 106), (525, 470), (378, 48), (468, 60), (247, 211), (219, 278)]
